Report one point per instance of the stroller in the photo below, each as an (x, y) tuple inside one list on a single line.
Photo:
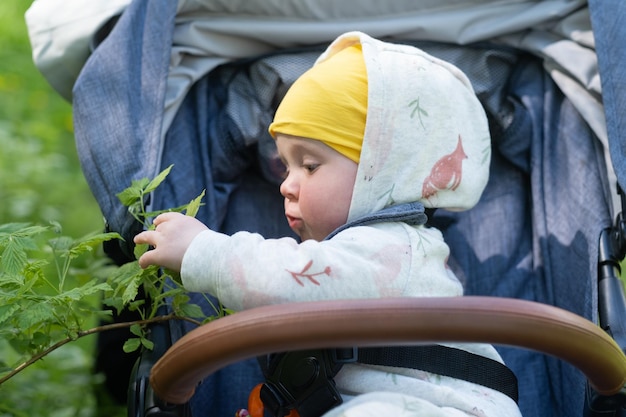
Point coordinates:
[(195, 84)]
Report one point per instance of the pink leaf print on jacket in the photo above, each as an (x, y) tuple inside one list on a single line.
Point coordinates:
[(309, 276), (446, 173)]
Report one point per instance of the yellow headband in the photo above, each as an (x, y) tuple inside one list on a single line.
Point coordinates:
[(328, 103)]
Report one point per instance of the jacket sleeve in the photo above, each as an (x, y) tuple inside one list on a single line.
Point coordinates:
[(245, 270)]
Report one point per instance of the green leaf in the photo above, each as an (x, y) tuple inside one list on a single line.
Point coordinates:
[(174, 275), (134, 193), (10, 228), (140, 250), (134, 305), (84, 291), (88, 243), (147, 343), (194, 205), (155, 213), (192, 310), (115, 302), (124, 275), (131, 345), (12, 282), (40, 340), (21, 230), (131, 290), (61, 243), (56, 226), (17, 239), (137, 330), (158, 180), (14, 257), (6, 311), (33, 274), (36, 313)]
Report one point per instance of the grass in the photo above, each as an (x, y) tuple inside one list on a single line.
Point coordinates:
[(41, 181)]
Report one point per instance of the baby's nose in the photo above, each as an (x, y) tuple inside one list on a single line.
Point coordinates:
[(289, 188)]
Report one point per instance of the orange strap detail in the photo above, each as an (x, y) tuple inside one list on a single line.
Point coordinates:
[(255, 405)]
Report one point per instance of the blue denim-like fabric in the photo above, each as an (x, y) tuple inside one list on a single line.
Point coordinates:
[(118, 104), (533, 235), (608, 18), (118, 109)]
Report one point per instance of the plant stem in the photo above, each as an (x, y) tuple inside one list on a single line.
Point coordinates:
[(88, 332)]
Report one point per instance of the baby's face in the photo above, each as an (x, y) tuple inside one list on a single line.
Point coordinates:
[(317, 187)]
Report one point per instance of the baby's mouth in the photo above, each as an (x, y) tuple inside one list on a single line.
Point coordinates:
[(295, 223)]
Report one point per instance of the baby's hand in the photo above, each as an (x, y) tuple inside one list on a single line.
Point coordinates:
[(171, 237)]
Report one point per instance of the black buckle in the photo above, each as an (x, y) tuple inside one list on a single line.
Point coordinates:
[(345, 355), (301, 380)]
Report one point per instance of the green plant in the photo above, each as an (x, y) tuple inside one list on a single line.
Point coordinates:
[(160, 286), (39, 314)]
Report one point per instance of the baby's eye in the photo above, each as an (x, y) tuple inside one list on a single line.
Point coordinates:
[(310, 167)]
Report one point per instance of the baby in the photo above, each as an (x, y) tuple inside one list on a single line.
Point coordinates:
[(370, 136)]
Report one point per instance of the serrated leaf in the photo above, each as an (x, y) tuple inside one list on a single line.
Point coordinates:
[(88, 243), (124, 274), (13, 258), (79, 293), (11, 281), (194, 205), (36, 313), (21, 230), (7, 311), (131, 345), (131, 290), (33, 274), (10, 228), (156, 181)]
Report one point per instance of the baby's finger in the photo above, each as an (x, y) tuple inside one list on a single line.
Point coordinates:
[(148, 237), (146, 260), (163, 217)]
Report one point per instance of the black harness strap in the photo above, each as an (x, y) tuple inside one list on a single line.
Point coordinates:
[(303, 380), (447, 361)]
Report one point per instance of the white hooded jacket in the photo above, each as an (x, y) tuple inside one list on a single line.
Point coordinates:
[(427, 143)]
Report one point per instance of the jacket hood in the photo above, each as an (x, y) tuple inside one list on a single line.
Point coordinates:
[(426, 135)]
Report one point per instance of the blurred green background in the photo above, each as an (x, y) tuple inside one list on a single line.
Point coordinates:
[(41, 181), (40, 177)]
